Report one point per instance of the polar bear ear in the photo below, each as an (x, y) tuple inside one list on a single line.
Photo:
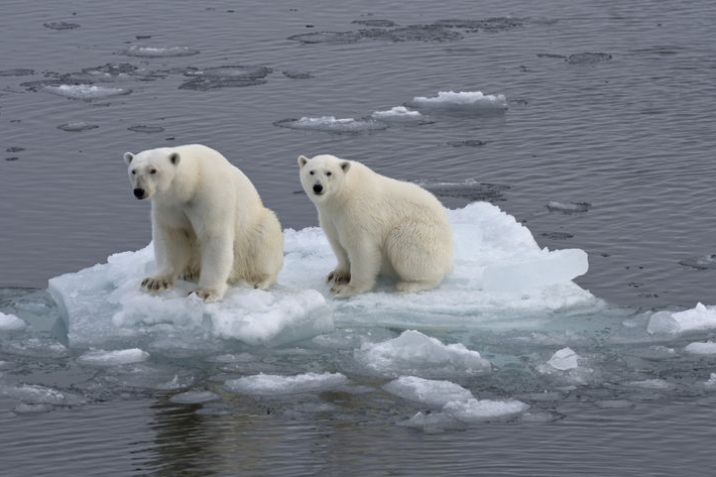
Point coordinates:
[(345, 165), (302, 160), (128, 157), (174, 158)]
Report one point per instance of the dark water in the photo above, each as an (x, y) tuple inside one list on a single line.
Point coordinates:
[(611, 104)]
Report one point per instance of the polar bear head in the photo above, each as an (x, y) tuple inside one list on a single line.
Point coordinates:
[(151, 171), (322, 176)]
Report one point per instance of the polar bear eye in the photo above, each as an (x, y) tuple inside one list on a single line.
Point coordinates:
[(153, 171), (311, 172), (134, 172), (329, 173)]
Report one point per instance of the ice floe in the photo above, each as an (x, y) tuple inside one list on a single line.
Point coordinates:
[(413, 353), (268, 384), (113, 358), (701, 348), (569, 207), (77, 126), (701, 317), (36, 394), (426, 391), (494, 284), (480, 410), (85, 91), (11, 323), (471, 101)]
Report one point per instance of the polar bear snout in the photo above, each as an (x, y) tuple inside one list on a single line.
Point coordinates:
[(139, 193), (318, 188)]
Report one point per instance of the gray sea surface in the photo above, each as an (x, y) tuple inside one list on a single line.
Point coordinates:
[(607, 145)]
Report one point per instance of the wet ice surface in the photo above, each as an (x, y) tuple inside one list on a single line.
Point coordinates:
[(160, 52), (461, 101), (331, 124), (85, 91)]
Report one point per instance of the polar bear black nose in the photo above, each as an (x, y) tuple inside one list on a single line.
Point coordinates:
[(318, 188), (139, 193)]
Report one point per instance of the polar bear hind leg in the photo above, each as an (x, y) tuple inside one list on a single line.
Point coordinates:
[(420, 255)]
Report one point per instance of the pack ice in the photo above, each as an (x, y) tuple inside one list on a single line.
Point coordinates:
[(501, 278)]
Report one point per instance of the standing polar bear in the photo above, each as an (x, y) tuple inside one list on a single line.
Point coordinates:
[(208, 222), (377, 226)]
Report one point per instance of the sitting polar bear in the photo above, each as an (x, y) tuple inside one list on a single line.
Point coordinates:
[(377, 226), (208, 222)]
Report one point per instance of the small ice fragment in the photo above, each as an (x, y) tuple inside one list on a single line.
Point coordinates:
[(85, 91), (564, 359), (702, 262), (560, 266), (36, 394), (433, 422), (113, 358), (146, 129), (706, 348), (175, 383), (36, 348), (271, 384), (158, 52), (333, 125), (699, 318), (569, 207), (194, 397), (473, 101), (77, 126), (711, 383), (398, 113), (474, 410), (427, 391), (11, 323), (413, 353)]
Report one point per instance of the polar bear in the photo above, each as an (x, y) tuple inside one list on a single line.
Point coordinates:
[(377, 226), (208, 222)]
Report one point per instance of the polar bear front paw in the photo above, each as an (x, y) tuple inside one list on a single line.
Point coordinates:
[(339, 277), (343, 291), (208, 295), (157, 284), (190, 275)]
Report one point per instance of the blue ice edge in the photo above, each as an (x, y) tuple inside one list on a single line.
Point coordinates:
[(501, 279)]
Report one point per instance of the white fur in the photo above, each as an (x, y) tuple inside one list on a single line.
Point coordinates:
[(377, 226), (208, 222)]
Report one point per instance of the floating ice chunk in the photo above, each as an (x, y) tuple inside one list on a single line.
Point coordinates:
[(569, 207), (37, 348), (175, 383), (427, 391), (271, 384), (560, 266), (106, 301), (471, 101), (194, 397), (61, 26), (398, 113), (11, 323), (113, 358), (433, 422), (564, 359), (711, 382), (702, 262), (474, 410), (35, 394), (706, 348), (160, 52), (413, 353), (333, 125), (699, 318), (85, 91)]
